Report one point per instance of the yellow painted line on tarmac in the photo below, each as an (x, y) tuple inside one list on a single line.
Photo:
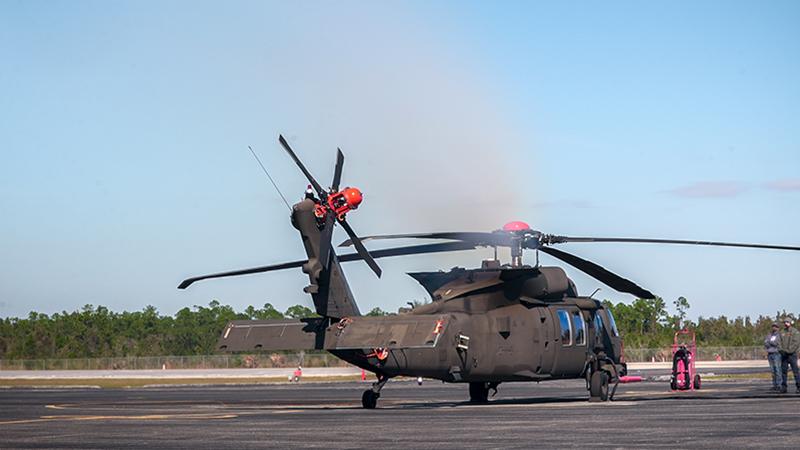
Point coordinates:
[(11, 422), (136, 418), (144, 417)]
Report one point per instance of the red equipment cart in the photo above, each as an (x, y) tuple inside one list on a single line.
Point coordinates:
[(684, 353)]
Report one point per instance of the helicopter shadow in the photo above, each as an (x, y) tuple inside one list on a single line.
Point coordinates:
[(517, 401)]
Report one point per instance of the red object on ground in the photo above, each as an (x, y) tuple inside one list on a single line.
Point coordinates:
[(363, 375), (630, 379), (516, 226), (684, 374)]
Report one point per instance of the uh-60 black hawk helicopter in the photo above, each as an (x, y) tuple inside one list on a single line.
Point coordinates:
[(485, 326)]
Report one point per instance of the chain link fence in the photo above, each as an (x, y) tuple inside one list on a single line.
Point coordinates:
[(313, 359), (703, 354)]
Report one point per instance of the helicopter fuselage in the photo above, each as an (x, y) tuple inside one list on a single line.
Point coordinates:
[(489, 331)]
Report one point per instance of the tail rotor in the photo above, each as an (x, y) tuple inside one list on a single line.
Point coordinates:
[(332, 206)]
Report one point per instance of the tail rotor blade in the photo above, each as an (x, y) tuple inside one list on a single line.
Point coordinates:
[(337, 173), (362, 251), (611, 279), (321, 192)]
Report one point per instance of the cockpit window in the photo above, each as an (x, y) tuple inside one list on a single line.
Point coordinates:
[(566, 327), (580, 328), (613, 322), (598, 324)]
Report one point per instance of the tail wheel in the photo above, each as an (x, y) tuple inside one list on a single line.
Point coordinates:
[(598, 386), (697, 381)]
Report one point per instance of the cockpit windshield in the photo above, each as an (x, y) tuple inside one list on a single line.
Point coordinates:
[(613, 323), (598, 324)]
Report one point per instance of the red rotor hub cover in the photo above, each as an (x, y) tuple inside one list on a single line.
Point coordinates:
[(516, 226), (353, 197)]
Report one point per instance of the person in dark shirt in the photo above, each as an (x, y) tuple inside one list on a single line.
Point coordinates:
[(788, 347), (771, 343)]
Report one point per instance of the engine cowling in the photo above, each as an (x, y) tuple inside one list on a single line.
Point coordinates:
[(551, 283)]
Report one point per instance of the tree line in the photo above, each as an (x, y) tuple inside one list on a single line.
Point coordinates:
[(95, 332), (646, 323)]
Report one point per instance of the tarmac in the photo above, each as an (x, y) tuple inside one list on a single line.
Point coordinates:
[(210, 374), (731, 413)]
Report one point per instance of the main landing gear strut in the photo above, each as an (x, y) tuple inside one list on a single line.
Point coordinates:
[(479, 391), (370, 397)]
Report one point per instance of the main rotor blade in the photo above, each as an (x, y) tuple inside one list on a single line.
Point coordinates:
[(325, 239), (187, 282), (385, 253), (551, 239), (477, 238), (611, 279), (360, 247), (321, 192), (337, 172), (411, 250)]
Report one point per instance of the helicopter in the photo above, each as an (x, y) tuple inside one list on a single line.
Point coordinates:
[(484, 326)]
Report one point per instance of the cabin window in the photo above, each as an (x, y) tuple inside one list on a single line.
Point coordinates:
[(580, 328), (566, 327), (613, 323)]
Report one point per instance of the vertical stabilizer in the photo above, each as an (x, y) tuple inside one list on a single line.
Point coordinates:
[(328, 287)]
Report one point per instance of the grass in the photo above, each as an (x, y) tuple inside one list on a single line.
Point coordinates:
[(739, 376)]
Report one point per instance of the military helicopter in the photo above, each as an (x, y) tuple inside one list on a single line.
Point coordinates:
[(485, 326)]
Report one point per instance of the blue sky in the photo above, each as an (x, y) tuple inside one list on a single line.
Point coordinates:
[(125, 125)]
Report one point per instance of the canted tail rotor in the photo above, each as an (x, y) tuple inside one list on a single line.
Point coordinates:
[(332, 206)]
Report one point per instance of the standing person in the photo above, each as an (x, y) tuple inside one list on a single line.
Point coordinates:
[(771, 343), (788, 348)]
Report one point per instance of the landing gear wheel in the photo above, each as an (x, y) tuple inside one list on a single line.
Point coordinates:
[(478, 392), (598, 387), (697, 381), (369, 399)]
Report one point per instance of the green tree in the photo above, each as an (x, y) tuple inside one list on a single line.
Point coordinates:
[(299, 312), (265, 313), (682, 306), (377, 312)]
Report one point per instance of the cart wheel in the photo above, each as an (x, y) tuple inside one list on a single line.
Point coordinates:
[(598, 388), (697, 381), (673, 384)]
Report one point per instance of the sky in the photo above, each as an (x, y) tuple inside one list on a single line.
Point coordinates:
[(124, 129)]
